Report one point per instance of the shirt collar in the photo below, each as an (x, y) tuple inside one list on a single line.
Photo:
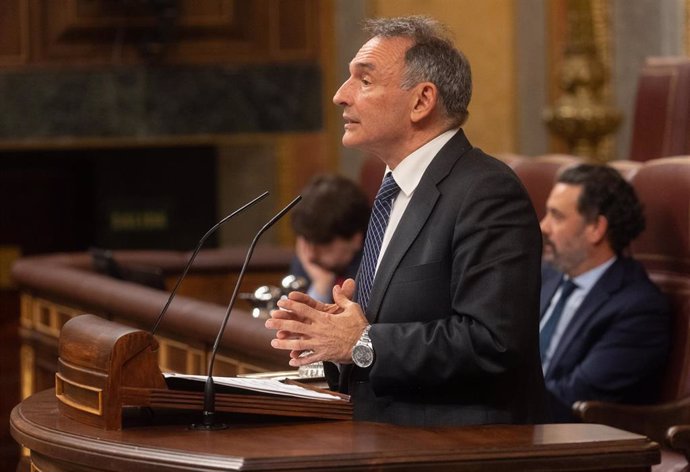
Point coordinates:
[(409, 172), (587, 280)]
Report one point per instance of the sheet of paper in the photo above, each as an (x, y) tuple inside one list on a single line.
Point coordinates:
[(274, 386)]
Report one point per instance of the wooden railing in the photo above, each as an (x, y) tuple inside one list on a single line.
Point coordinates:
[(56, 287)]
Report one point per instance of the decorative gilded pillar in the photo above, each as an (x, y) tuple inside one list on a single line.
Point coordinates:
[(687, 27), (581, 115)]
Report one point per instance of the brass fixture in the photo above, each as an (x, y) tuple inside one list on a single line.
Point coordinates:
[(581, 116)]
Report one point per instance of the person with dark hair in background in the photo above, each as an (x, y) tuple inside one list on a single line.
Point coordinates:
[(329, 224), (441, 326), (604, 331)]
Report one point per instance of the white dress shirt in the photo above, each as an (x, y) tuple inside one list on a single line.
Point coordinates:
[(407, 175)]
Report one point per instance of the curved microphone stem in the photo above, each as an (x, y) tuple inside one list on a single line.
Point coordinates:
[(209, 388), (196, 251)]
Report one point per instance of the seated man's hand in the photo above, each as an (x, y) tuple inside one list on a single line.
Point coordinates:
[(322, 280)]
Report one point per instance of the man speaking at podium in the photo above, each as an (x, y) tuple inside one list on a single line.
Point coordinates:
[(442, 327)]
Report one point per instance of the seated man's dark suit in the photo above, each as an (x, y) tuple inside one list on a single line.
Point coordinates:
[(454, 305), (616, 344)]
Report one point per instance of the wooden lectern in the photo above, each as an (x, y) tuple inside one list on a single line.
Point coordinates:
[(104, 367)]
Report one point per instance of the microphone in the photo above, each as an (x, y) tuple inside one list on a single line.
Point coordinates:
[(265, 298), (208, 422), (196, 251)]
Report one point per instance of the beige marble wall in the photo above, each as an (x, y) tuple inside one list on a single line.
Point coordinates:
[(485, 32)]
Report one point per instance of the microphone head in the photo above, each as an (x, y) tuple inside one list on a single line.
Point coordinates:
[(292, 283), (264, 300), (267, 293)]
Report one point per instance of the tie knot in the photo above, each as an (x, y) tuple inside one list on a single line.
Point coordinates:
[(568, 287), (389, 188)]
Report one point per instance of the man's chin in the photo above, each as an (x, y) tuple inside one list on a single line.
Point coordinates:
[(353, 139), (349, 142)]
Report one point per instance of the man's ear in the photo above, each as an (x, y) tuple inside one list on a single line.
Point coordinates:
[(425, 98), (597, 229)]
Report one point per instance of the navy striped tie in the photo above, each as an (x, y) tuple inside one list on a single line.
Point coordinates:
[(378, 221), (550, 326)]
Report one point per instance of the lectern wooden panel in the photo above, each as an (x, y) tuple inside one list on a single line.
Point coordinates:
[(113, 411), (104, 367), (97, 360), (165, 443)]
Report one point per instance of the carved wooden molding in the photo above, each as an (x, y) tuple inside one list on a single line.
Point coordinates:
[(110, 32), (14, 32), (46, 308)]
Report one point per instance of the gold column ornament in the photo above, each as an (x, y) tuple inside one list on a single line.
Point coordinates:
[(687, 27), (581, 116)]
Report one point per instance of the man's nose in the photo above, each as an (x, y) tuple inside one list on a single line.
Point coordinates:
[(340, 97)]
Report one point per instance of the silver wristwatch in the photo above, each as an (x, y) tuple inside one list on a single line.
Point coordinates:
[(363, 352)]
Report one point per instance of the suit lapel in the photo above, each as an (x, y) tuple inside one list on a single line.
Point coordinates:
[(416, 214), (609, 282), (413, 220)]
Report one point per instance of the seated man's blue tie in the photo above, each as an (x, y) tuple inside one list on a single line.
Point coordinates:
[(547, 331)]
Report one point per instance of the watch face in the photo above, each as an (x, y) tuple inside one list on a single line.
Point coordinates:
[(362, 355)]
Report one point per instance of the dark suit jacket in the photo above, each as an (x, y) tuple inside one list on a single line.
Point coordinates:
[(454, 305), (616, 344)]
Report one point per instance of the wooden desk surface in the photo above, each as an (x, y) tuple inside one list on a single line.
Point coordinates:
[(58, 443)]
